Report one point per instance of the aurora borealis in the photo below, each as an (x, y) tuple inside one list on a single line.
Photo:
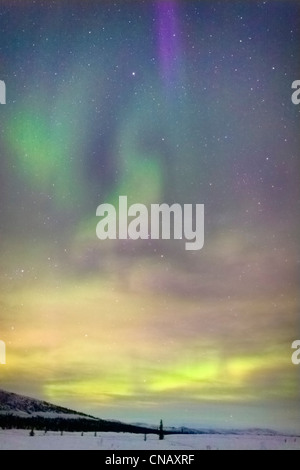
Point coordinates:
[(169, 101)]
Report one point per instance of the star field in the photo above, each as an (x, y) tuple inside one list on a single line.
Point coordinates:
[(162, 101)]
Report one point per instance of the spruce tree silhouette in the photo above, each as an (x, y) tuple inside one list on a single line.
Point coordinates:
[(161, 431)]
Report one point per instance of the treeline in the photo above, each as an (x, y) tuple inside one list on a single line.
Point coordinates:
[(69, 425)]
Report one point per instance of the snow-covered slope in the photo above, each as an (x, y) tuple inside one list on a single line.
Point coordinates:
[(18, 405), (17, 411)]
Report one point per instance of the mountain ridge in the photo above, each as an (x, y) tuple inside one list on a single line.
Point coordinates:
[(22, 411), (18, 411), (14, 403)]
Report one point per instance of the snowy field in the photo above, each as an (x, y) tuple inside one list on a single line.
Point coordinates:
[(20, 440)]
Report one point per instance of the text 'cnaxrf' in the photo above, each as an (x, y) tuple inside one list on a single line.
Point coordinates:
[(162, 221)]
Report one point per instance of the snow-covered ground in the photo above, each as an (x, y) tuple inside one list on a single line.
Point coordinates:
[(20, 440)]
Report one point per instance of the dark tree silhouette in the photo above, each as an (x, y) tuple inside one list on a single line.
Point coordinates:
[(9, 421), (161, 431)]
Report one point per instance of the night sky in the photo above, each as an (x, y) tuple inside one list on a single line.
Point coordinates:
[(161, 101)]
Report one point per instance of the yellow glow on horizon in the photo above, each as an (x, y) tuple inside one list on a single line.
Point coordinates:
[(96, 343)]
